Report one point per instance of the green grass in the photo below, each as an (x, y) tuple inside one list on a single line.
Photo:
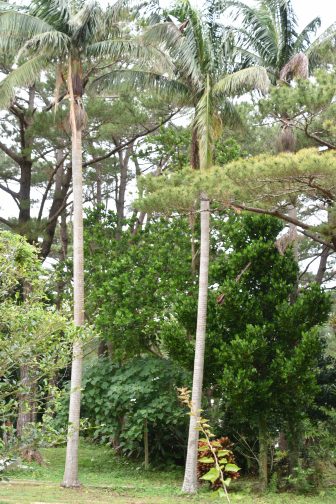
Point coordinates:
[(108, 479)]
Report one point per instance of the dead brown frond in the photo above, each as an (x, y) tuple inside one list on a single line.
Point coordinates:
[(296, 68), (286, 141)]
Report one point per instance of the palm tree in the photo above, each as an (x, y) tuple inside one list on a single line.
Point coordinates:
[(268, 36), (200, 81), (70, 36), (203, 72)]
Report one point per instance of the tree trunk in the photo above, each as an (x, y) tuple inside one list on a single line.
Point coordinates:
[(293, 240), (62, 184), (24, 414), (71, 463), (193, 244), (146, 447), (121, 192), (190, 483), (194, 154), (99, 185), (263, 451), (294, 438), (322, 265), (138, 223), (24, 198), (27, 397)]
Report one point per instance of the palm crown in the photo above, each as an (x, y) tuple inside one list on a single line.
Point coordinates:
[(268, 35), (195, 77), (54, 31)]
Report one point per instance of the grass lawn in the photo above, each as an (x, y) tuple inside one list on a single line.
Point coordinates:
[(108, 479)]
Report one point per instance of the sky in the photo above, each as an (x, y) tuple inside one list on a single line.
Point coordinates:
[(306, 10)]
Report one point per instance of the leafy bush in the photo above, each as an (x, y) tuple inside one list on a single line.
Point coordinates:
[(119, 400), (222, 447), (302, 480)]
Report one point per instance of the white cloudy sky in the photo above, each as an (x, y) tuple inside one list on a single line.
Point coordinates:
[(306, 10)]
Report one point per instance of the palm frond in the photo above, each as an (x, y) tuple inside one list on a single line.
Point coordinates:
[(16, 28), (166, 35), (287, 22), (181, 47), (23, 76), (204, 123), (55, 12), (117, 11), (191, 60), (229, 114), (86, 22), (50, 43), (304, 38), (139, 80), (258, 29), (132, 50), (296, 68), (328, 35), (243, 81)]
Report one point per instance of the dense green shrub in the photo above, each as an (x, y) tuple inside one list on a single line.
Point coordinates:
[(118, 399)]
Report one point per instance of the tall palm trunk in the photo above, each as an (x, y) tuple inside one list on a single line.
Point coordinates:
[(71, 463), (190, 476)]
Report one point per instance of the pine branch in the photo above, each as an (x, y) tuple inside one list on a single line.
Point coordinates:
[(9, 191), (10, 153), (305, 228), (129, 142)]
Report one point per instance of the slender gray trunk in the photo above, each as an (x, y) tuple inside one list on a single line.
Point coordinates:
[(326, 251), (27, 395), (24, 414), (190, 482), (193, 245), (71, 463)]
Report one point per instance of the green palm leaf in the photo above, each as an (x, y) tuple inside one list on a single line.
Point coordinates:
[(182, 49), (135, 50), (55, 12), (303, 40), (242, 82), (137, 79), (16, 28), (23, 76), (319, 44), (86, 22), (49, 43), (204, 124)]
